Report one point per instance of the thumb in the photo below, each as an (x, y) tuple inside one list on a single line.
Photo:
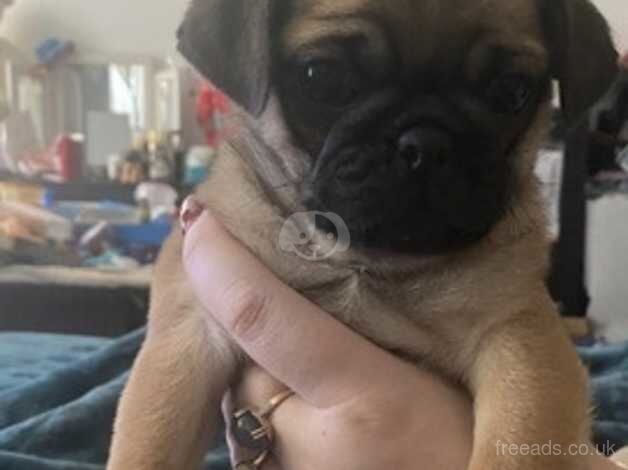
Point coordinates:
[(300, 345)]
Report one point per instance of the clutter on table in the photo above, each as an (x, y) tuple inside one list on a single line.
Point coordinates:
[(37, 215), (103, 234), (49, 209)]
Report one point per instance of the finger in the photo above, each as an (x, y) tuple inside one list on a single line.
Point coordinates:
[(288, 420), (235, 452), (297, 427), (238, 454), (257, 387), (271, 464), (377, 424), (295, 341), (254, 390)]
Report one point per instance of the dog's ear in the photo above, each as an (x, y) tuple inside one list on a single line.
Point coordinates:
[(228, 43), (581, 52)]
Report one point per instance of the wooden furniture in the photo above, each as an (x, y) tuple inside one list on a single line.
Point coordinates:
[(73, 301)]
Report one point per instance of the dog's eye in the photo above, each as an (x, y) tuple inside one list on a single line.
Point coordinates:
[(329, 82), (510, 93)]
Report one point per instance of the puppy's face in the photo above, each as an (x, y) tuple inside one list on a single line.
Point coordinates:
[(415, 115), (412, 112)]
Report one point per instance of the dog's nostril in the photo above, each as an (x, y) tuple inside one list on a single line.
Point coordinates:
[(419, 146), (411, 151)]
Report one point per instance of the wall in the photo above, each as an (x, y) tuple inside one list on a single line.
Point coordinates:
[(617, 13), (146, 26), (111, 27), (607, 251), (607, 265)]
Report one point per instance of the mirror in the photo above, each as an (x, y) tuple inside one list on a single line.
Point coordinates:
[(110, 104)]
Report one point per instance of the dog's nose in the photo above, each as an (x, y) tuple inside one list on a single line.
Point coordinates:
[(420, 145)]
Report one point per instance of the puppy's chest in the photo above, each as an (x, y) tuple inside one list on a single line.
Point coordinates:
[(427, 321), (432, 316)]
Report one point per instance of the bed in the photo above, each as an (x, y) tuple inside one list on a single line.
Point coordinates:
[(58, 395)]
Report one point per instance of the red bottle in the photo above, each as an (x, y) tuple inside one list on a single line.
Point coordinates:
[(68, 158)]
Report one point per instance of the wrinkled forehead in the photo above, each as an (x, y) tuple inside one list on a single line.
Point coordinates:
[(420, 31)]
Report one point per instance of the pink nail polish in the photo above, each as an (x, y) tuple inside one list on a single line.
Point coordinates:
[(191, 210)]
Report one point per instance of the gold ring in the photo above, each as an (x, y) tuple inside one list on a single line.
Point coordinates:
[(254, 464), (275, 402), (252, 430)]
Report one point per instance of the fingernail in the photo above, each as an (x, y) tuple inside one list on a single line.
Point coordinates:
[(191, 210)]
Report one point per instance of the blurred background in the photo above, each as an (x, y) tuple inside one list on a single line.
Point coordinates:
[(103, 130)]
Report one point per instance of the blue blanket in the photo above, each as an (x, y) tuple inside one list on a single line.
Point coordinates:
[(58, 396)]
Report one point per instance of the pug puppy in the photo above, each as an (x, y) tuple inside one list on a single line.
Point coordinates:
[(418, 125)]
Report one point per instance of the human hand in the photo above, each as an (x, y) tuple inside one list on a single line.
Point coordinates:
[(356, 406)]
